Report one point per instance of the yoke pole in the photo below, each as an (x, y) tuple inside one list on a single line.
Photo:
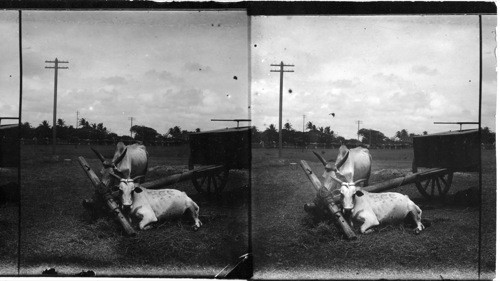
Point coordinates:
[(333, 209), (106, 196)]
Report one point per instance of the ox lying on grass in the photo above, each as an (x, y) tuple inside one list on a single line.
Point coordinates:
[(151, 205), (373, 209)]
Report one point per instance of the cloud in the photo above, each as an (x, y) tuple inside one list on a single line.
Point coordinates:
[(343, 83), (165, 76), (115, 80), (421, 69), (196, 67)]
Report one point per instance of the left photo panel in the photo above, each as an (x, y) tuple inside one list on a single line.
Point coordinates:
[(135, 147), (9, 143)]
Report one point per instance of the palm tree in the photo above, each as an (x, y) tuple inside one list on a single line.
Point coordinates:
[(45, 124), (60, 122), (288, 126), (84, 123)]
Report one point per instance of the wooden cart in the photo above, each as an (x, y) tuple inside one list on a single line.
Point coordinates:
[(222, 150), (438, 156)]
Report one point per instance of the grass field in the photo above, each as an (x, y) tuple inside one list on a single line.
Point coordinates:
[(9, 219), (290, 244), (287, 242), (56, 231)]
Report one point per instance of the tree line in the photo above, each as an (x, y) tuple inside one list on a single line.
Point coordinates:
[(312, 134), (98, 133), (325, 136)]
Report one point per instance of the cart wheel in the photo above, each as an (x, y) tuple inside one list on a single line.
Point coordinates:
[(436, 186), (210, 183)]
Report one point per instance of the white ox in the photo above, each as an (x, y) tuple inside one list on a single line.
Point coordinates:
[(152, 205), (354, 164), (373, 209), (129, 161)]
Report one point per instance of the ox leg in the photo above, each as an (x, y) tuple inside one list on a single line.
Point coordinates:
[(369, 221), (194, 210), (147, 216), (416, 214)]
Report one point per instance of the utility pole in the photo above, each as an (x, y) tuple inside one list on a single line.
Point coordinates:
[(281, 70), (56, 67), (77, 119), (359, 122), (131, 119), (303, 123)]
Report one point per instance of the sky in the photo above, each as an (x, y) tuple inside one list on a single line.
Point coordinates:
[(389, 72), (184, 68), (9, 68), (161, 68)]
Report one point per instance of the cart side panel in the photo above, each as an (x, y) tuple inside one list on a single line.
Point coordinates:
[(9, 146), (230, 147), (458, 151)]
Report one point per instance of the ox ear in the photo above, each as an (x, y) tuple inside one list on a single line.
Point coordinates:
[(330, 167), (137, 190), (359, 193), (120, 147)]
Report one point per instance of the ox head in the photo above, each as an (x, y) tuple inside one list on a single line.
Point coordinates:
[(347, 191), (127, 187), (332, 169), (109, 166)]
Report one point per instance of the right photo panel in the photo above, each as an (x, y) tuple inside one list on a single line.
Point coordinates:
[(373, 146)]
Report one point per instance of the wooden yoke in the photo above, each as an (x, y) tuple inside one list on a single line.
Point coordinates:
[(104, 192), (329, 202)]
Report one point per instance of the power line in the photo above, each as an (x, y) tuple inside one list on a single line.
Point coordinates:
[(281, 71), (56, 67)]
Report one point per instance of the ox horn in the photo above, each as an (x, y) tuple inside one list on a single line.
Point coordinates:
[(116, 176), (138, 177), (119, 159), (343, 160), (99, 155), (320, 158), (358, 181)]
